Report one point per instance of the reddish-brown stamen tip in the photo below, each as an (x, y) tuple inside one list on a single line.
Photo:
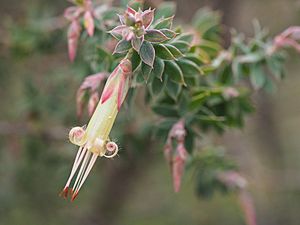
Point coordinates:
[(64, 192), (74, 196)]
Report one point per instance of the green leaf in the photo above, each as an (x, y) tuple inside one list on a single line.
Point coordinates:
[(169, 33), (135, 60), (155, 36), (175, 52), (147, 53), (137, 43), (174, 72), (122, 46), (173, 89), (156, 86), (164, 23), (185, 37), (163, 52), (146, 70), (158, 68), (189, 68), (257, 76), (182, 46)]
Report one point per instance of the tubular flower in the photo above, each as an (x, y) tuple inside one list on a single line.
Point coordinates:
[(94, 140), (176, 157)]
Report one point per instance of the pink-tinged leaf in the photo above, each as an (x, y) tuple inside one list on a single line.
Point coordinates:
[(89, 23), (130, 11), (72, 46), (177, 170), (122, 47), (137, 43), (93, 101), (147, 17), (72, 13), (122, 19), (117, 32), (248, 207), (155, 36), (147, 53)]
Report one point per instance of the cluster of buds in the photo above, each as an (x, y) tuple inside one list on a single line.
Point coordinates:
[(74, 14), (91, 85), (135, 28), (288, 38), (177, 156), (94, 141)]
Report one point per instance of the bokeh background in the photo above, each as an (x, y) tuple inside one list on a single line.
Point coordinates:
[(38, 86)]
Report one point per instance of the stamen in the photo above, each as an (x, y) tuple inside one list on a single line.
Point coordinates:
[(111, 147), (80, 173), (88, 170)]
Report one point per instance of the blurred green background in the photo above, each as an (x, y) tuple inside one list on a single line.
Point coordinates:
[(38, 86)]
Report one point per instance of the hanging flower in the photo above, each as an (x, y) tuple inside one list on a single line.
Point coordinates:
[(73, 14), (176, 157), (94, 141)]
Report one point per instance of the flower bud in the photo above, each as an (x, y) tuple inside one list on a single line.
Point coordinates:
[(76, 135)]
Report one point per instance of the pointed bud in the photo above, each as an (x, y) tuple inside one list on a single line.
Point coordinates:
[(89, 23), (73, 37)]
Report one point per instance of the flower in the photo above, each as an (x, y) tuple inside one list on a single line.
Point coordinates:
[(176, 157), (94, 141), (73, 14), (288, 38), (135, 28)]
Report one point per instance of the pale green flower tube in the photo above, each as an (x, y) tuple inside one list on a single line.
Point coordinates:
[(94, 141)]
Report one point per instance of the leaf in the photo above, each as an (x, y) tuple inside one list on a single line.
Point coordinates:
[(175, 52), (147, 53), (169, 33), (146, 70), (182, 46), (257, 76), (122, 46), (137, 43), (189, 68), (185, 37), (156, 86), (158, 68), (174, 72), (155, 36), (163, 52), (135, 60), (173, 89), (164, 23)]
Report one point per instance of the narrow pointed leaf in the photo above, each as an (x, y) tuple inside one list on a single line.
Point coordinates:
[(137, 43), (189, 68), (155, 36), (175, 51), (165, 23), (163, 52), (182, 46), (173, 89), (169, 33)]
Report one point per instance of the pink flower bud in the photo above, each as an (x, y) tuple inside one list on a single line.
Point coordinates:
[(73, 37), (89, 23)]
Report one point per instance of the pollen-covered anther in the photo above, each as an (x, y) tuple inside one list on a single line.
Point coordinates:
[(76, 135), (112, 148)]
